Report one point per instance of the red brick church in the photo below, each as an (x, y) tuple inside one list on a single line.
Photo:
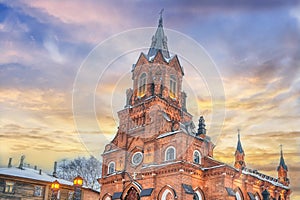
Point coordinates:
[(158, 152)]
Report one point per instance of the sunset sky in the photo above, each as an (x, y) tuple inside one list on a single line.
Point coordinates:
[(58, 100)]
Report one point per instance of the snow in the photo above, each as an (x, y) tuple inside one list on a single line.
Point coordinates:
[(214, 167), (264, 177), (160, 165), (167, 134), (29, 173)]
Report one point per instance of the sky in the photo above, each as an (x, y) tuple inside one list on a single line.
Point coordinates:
[(57, 101)]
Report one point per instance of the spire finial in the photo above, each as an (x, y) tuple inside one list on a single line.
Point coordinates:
[(160, 17)]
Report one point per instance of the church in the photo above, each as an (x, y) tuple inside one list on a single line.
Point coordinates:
[(158, 152)]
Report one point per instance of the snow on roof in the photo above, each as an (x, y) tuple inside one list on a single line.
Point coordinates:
[(263, 177), (168, 133), (213, 167), (32, 174), (160, 165)]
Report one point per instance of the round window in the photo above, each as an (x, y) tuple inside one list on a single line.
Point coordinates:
[(137, 158)]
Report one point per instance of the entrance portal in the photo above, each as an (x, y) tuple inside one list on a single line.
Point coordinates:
[(132, 194)]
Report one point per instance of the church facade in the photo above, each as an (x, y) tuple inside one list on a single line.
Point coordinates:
[(158, 152)]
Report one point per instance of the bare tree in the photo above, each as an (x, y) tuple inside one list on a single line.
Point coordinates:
[(89, 169)]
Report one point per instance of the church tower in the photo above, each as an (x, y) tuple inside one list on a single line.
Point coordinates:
[(159, 153), (239, 154), (282, 169)]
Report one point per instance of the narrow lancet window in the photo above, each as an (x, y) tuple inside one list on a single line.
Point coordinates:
[(142, 85), (173, 85)]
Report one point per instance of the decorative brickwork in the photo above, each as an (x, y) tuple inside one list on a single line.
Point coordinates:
[(158, 154)]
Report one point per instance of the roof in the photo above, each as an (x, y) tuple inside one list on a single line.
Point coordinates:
[(117, 195), (159, 41), (146, 192), (188, 189), (263, 177), (239, 147), (282, 163), (230, 191), (32, 174)]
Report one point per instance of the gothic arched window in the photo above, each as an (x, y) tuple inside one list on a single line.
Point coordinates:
[(142, 85), (170, 153), (173, 86), (239, 195), (198, 195), (197, 157), (111, 168)]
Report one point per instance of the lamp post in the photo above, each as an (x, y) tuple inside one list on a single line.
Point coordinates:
[(55, 190), (77, 182)]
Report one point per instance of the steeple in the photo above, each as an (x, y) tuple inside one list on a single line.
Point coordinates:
[(281, 162), (159, 40), (239, 144), (239, 154), (282, 169)]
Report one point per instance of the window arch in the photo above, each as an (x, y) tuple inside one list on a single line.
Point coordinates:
[(257, 197), (170, 153), (167, 193), (107, 196), (238, 194), (111, 168), (198, 195), (173, 86), (142, 85), (197, 157), (132, 193)]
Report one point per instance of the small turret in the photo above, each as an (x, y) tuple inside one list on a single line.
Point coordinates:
[(201, 126), (239, 154), (282, 169)]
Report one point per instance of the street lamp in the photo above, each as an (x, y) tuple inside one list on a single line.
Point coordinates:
[(55, 190), (77, 182)]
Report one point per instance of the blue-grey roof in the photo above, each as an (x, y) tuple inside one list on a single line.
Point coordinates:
[(117, 195), (282, 163), (239, 145), (230, 191), (251, 195), (159, 42), (146, 192), (188, 189)]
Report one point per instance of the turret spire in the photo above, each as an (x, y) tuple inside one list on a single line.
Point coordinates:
[(281, 162), (239, 144), (239, 154), (282, 169), (201, 129), (159, 40)]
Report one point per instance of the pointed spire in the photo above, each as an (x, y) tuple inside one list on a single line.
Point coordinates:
[(239, 154), (239, 144), (281, 162), (159, 40)]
